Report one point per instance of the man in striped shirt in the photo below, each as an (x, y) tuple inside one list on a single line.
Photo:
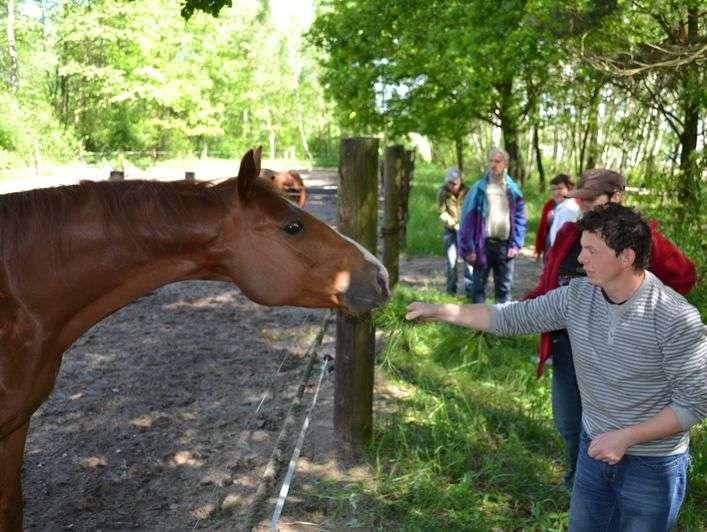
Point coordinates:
[(640, 353)]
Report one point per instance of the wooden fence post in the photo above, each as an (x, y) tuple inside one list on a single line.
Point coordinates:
[(355, 336), (405, 184), (392, 175)]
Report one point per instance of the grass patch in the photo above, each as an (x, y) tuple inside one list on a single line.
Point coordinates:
[(468, 449)]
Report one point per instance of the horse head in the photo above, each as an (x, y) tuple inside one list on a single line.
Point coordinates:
[(278, 254)]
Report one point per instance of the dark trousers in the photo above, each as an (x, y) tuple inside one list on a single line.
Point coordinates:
[(566, 402), (498, 261), (451, 256)]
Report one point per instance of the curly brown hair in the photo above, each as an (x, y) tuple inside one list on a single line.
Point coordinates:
[(621, 228)]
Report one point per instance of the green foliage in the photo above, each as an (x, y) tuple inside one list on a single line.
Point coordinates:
[(212, 7), (424, 229), (432, 67), (121, 78), (27, 132)]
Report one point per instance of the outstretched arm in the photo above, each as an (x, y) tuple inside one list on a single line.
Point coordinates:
[(545, 313), (476, 317)]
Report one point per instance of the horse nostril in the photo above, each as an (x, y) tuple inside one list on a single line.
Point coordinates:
[(383, 283)]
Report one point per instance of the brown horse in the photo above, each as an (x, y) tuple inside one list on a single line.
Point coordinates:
[(289, 182), (73, 255)]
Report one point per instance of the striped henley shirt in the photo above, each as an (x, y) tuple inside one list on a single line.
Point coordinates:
[(632, 360)]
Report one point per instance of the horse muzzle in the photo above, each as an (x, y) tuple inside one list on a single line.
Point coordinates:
[(367, 289)]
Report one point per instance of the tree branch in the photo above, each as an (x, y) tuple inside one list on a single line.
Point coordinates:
[(633, 67), (653, 101)]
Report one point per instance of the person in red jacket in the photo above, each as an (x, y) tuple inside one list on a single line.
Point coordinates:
[(596, 187), (560, 185)]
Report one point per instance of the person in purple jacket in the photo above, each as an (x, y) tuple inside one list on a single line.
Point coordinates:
[(493, 228)]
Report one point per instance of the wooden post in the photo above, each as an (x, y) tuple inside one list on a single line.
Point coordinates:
[(355, 336), (405, 184), (189, 176), (116, 175), (392, 175)]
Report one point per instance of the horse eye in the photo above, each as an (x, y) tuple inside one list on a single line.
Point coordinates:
[(293, 228)]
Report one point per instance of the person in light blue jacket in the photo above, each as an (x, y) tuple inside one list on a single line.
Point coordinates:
[(492, 230)]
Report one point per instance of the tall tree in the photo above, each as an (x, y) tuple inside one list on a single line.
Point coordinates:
[(655, 51), (434, 67), (11, 46)]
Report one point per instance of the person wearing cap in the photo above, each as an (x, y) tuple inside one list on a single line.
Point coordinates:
[(596, 187), (450, 197), (493, 228), (640, 351)]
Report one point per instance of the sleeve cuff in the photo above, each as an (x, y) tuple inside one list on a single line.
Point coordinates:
[(685, 416), (495, 319)]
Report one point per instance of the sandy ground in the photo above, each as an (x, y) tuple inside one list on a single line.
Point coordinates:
[(153, 424)]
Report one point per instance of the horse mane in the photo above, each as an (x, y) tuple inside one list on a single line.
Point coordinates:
[(37, 217)]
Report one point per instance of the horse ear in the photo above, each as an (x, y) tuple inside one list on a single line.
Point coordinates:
[(248, 172)]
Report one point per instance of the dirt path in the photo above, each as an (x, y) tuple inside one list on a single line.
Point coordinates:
[(152, 427)]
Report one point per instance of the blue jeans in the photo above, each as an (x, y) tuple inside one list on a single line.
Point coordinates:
[(451, 256), (498, 261), (639, 494), (566, 402)]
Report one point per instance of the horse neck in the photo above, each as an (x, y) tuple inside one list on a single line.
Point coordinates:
[(115, 259)]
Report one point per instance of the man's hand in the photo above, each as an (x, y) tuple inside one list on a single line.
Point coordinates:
[(477, 317), (470, 258), (512, 252), (610, 447), (420, 311)]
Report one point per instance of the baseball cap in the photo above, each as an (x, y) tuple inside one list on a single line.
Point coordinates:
[(451, 175), (597, 181)]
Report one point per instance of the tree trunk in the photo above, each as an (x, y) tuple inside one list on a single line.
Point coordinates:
[(393, 165), (555, 143), (592, 147), (643, 153), (573, 132), (271, 133), (509, 127), (12, 47), (302, 133), (635, 159), (689, 175), (688, 179), (538, 157), (459, 147), (64, 100), (606, 153)]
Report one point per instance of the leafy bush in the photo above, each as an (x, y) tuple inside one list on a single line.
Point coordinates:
[(29, 130)]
